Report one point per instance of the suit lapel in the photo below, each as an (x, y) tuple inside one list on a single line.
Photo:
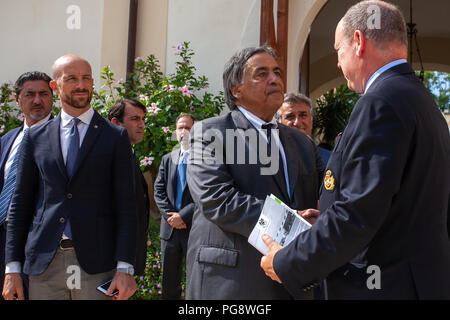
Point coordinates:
[(8, 145), (292, 161), (55, 143), (172, 177), (242, 122), (93, 131)]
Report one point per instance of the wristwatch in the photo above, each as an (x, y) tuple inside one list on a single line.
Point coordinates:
[(129, 270)]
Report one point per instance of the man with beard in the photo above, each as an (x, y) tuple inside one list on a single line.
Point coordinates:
[(72, 222), (175, 204), (35, 98)]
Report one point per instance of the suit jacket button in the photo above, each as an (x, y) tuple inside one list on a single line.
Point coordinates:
[(69, 196), (62, 220)]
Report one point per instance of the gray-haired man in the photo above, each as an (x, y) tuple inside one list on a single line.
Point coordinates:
[(229, 195), (382, 230), (296, 112)]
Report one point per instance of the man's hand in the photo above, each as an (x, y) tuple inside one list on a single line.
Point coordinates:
[(13, 287), (176, 221), (310, 215), (267, 260), (126, 285)]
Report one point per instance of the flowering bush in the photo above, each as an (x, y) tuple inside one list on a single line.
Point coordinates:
[(165, 99), (149, 285)]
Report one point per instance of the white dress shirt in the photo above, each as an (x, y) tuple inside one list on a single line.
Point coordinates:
[(381, 70)]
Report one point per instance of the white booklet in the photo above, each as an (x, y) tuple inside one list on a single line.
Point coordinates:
[(280, 222)]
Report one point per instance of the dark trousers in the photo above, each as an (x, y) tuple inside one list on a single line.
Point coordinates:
[(173, 251), (3, 230)]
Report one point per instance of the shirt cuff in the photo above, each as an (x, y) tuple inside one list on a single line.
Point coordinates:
[(13, 267), (122, 264)]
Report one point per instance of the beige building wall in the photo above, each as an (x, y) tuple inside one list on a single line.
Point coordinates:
[(35, 33)]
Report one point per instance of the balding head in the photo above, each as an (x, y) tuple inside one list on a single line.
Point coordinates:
[(64, 61), (73, 83), (381, 22)]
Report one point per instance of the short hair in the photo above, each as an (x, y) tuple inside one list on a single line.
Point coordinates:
[(392, 23), (118, 109), (296, 98), (234, 70), (31, 76), (185, 115)]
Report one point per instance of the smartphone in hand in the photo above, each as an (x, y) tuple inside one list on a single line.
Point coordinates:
[(104, 288)]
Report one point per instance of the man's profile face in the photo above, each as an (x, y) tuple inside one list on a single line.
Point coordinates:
[(183, 128), (134, 121), (262, 85), (75, 84), (347, 59), (36, 100), (297, 115)]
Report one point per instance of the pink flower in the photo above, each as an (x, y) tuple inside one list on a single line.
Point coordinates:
[(192, 109), (139, 59), (147, 161), (185, 91), (153, 109), (21, 117), (178, 48), (143, 97), (166, 129)]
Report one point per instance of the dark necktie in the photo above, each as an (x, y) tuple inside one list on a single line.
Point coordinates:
[(9, 186), (269, 127), (72, 155), (279, 175)]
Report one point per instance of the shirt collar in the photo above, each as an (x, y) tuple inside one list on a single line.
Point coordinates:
[(254, 120), (25, 126), (85, 117), (381, 70)]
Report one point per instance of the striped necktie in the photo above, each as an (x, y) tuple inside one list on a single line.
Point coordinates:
[(9, 186)]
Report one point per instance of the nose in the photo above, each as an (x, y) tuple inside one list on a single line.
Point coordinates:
[(37, 99)]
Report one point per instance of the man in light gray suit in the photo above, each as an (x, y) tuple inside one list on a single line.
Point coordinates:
[(236, 161)]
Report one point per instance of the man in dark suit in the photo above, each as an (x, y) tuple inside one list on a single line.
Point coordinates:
[(72, 223), (381, 232), (296, 112), (231, 173), (34, 98), (130, 114), (174, 201)]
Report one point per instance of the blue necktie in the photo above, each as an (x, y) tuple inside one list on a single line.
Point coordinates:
[(181, 179), (9, 186), (72, 155)]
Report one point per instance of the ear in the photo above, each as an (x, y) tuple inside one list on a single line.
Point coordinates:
[(236, 91), (54, 86), (360, 43)]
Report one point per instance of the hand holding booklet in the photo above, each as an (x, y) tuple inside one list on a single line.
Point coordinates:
[(280, 222)]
